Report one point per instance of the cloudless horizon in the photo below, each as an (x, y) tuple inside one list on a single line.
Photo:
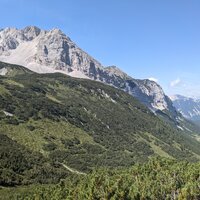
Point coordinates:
[(146, 39)]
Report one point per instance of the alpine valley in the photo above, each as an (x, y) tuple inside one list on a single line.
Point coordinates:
[(71, 128)]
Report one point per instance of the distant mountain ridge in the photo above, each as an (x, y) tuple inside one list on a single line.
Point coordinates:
[(187, 106), (52, 51)]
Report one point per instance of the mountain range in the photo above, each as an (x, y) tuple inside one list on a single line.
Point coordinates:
[(52, 51), (188, 107)]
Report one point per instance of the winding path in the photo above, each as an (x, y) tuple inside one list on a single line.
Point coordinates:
[(72, 170)]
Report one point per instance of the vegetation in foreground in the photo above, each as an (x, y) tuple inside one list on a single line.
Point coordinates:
[(157, 179)]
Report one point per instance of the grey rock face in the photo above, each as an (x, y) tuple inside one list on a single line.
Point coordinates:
[(52, 49), (30, 33), (47, 51)]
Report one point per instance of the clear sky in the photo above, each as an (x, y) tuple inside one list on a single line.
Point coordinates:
[(157, 39)]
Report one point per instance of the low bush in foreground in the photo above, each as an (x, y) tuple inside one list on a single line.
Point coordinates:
[(156, 179)]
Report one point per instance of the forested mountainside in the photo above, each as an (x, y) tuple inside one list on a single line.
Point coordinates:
[(48, 121)]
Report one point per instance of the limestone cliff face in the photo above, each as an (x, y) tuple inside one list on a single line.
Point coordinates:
[(44, 50)]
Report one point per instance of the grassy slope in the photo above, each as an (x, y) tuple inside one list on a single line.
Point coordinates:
[(84, 124)]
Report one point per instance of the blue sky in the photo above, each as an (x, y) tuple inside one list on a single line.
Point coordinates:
[(157, 39)]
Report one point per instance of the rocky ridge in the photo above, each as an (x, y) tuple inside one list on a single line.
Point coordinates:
[(52, 51)]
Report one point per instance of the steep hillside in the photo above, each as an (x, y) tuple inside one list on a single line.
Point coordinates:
[(83, 124)]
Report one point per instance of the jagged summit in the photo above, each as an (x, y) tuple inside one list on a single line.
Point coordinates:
[(31, 32), (117, 71), (43, 51), (52, 51), (57, 31)]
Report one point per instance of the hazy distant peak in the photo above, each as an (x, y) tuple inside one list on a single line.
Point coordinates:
[(187, 106), (179, 97)]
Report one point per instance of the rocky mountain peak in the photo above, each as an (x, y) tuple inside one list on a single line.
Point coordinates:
[(44, 51), (57, 31), (31, 32), (150, 93), (117, 71)]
